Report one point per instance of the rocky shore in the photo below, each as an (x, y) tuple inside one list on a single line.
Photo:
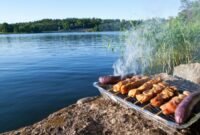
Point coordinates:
[(101, 116), (98, 116)]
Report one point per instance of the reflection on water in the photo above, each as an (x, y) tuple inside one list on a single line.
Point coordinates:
[(41, 73)]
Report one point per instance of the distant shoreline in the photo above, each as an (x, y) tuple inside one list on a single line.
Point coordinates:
[(61, 32), (69, 25)]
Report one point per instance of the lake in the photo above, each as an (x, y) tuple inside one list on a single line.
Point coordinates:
[(42, 73)]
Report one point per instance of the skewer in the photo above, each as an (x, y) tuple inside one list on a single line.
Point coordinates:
[(145, 106), (158, 113), (116, 93), (111, 89), (136, 102), (127, 98)]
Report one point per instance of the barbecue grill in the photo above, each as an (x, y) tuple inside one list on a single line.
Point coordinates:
[(153, 113)]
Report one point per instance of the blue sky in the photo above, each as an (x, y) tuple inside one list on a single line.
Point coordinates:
[(12, 11)]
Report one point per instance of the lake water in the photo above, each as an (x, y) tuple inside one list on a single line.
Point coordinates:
[(42, 73)]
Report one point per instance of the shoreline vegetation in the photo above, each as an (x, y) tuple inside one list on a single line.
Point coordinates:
[(177, 40), (69, 25), (158, 45)]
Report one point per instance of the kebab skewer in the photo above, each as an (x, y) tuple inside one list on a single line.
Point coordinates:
[(138, 82), (117, 87), (146, 86), (164, 96), (170, 107), (149, 94)]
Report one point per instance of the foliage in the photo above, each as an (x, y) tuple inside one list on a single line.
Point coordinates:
[(174, 42), (159, 45), (70, 24), (6, 28), (181, 40)]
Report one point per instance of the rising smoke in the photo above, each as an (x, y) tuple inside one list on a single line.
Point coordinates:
[(159, 45), (139, 50)]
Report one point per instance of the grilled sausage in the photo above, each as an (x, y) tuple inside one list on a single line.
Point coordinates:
[(184, 109), (109, 79)]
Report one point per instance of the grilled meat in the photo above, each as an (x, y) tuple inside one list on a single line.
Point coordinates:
[(164, 96), (149, 94), (110, 79), (170, 106), (118, 86), (144, 87), (138, 82)]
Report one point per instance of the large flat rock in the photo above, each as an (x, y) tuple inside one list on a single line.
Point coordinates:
[(189, 72), (99, 116)]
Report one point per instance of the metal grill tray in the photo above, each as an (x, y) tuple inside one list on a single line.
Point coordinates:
[(150, 112)]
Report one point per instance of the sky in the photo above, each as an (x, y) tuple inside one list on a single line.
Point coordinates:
[(13, 11)]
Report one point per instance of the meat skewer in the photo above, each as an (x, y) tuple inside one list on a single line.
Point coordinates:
[(170, 106), (149, 94), (144, 87), (117, 87), (164, 96), (138, 82)]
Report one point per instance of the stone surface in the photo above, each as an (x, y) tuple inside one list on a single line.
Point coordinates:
[(98, 116), (85, 100), (188, 71)]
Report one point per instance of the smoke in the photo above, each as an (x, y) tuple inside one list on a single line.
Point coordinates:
[(139, 49), (159, 45)]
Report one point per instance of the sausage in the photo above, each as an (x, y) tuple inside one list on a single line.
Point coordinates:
[(109, 79), (184, 109)]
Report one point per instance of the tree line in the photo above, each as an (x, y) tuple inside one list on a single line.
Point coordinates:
[(70, 24)]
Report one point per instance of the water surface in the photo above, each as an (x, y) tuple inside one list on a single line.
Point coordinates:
[(42, 73)]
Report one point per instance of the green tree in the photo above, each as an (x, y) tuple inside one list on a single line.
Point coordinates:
[(16, 29), (5, 27), (70, 24)]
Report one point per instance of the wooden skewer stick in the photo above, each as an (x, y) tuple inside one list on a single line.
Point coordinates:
[(158, 113), (126, 98), (116, 93), (111, 89), (145, 106), (136, 102)]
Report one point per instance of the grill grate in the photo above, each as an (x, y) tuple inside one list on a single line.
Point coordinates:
[(146, 106), (155, 113)]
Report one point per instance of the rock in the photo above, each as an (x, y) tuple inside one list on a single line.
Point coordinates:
[(156, 132), (109, 119), (189, 72), (113, 121), (84, 100)]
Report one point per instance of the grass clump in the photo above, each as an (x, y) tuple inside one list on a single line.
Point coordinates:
[(159, 45)]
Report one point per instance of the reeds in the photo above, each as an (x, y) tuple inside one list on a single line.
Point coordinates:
[(160, 45)]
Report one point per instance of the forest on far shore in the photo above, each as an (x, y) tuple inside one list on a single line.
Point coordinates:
[(70, 24)]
